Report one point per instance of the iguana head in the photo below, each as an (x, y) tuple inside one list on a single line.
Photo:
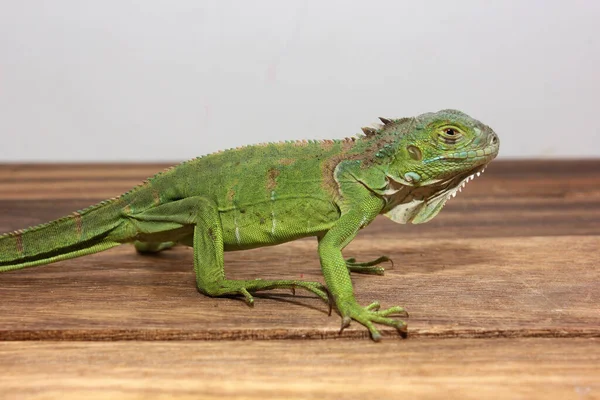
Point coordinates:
[(431, 158)]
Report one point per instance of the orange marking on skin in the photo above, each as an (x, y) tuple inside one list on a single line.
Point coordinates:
[(78, 224), (286, 161), (327, 144), (230, 194), (300, 143), (347, 144), (19, 240), (156, 196), (328, 167), (272, 175)]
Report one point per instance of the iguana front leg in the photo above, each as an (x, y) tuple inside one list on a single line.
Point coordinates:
[(335, 268)]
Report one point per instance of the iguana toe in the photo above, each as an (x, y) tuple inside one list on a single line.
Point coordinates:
[(369, 267)]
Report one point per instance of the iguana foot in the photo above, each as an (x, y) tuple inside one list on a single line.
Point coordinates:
[(371, 314), (247, 287), (369, 267)]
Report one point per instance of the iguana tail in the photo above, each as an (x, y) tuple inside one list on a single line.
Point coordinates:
[(83, 232)]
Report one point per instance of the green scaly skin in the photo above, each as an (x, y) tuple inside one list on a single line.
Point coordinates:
[(268, 194)]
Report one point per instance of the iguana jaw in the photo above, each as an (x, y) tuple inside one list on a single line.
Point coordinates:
[(462, 183), (411, 200), (419, 204)]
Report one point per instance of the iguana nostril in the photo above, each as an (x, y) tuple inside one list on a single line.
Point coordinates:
[(494, 139)]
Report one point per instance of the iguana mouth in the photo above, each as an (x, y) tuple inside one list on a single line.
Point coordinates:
[(421, 203), (462, 182)]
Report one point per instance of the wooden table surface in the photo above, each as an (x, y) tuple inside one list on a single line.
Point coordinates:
[(503, 289)]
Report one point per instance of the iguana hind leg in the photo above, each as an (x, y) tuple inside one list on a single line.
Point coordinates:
[(202, 213), (210, 273)]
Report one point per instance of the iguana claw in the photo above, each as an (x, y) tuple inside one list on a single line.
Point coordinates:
[(345, 323), (247, 297)]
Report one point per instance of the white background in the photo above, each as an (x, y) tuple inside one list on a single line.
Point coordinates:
[(169, 80)]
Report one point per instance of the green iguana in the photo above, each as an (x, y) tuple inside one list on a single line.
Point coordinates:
[(272, 193)]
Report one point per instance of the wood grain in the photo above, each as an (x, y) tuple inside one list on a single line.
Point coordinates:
[(543, 286), (448, 369)]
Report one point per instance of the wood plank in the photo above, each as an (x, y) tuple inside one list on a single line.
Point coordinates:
[(541, 286), (425, 369)]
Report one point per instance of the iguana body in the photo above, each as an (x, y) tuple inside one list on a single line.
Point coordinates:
[(269, 194)]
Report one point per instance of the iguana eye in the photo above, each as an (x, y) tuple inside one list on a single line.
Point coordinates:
[(450, 135), (450, 132)]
